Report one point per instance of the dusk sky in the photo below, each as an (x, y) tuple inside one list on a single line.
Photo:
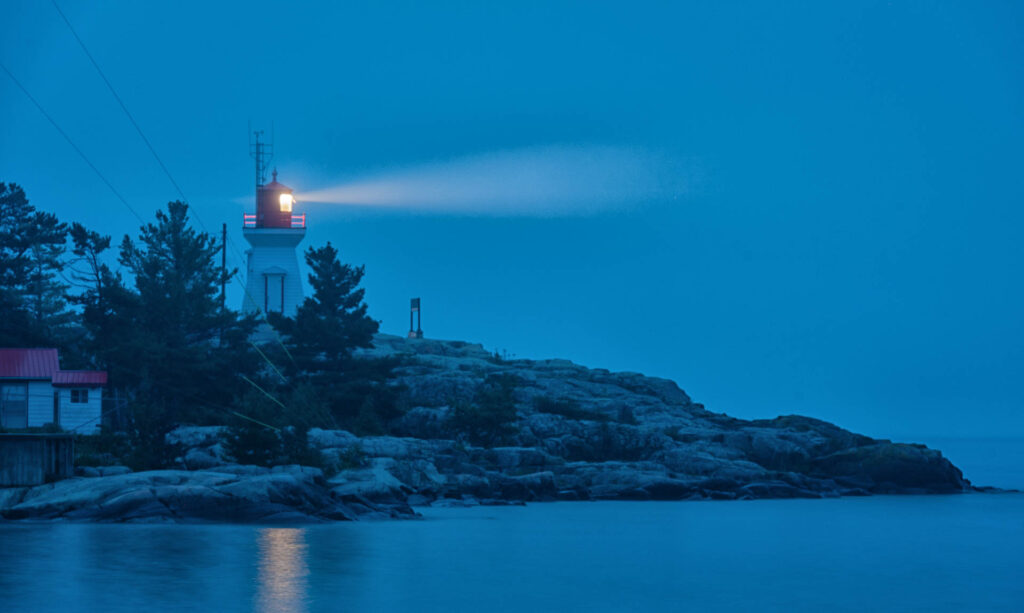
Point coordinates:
[(809, 208)]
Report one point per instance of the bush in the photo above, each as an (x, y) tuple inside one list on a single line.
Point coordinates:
[(490, 420), (360, 396), (149, 426), (103, 449), (351, 457), (566, 407), (270, 434), (255, 444)]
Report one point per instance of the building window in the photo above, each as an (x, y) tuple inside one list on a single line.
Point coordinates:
[(14, 405), (79, 396)]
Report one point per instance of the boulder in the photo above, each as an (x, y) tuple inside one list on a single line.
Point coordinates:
[(374, 483), (199, 459), (325, 439), (195, 436)]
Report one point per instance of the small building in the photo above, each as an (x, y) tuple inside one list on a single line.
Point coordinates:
[(34, 391)]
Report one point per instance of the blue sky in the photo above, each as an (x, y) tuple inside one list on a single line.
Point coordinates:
[(845, 243)]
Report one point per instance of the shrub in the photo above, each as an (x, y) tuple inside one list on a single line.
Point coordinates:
[(351, 457), (566, 407), (101, 449), (255, 444), (360, 396), (490, 419), (252, 444), (267, 433)]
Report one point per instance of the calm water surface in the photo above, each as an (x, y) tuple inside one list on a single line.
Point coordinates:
[(906, 553)]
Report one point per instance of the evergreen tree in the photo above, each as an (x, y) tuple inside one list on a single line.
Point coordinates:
[(32, 297), (327, 328), (333, 322), (106, 304), (172, 344)]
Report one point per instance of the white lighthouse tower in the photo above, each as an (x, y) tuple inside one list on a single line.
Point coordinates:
[(273, 284)]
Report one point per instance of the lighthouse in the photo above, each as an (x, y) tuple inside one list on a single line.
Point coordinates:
[(273, 284)]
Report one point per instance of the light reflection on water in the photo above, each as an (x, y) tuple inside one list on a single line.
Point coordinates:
[(283, 572), (935, 553)]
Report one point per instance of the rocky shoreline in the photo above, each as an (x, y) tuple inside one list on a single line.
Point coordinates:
[(579, 434)]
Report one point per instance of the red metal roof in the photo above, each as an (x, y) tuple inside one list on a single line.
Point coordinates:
[(79, 378), (44, 364), (28, 363)]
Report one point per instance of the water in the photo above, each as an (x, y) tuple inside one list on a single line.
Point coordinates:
[(916, 553)]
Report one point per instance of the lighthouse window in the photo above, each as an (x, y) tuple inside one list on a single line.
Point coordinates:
[(286, 203)]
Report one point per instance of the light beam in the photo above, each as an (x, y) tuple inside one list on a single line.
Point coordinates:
[(538, 181)]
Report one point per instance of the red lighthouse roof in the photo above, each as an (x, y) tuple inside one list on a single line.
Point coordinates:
[(274, 185)]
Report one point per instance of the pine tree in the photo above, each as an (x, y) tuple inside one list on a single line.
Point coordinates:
[(327, 328), (333, 322), (32, 296), (183, 355), (106, 303)]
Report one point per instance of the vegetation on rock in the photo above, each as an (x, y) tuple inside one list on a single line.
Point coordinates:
[(490, 419), (331, 393)]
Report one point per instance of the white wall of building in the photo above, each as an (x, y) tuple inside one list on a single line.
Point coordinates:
[(40, 403), (81, 417), (273, 264)]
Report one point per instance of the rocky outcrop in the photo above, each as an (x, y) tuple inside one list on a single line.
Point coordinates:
[(595, 434), (578, 434), (227, 494)]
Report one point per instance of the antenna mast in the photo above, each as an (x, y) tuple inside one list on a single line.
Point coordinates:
[(262, 152)]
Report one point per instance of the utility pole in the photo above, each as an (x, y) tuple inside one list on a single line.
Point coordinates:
[(223, 264)]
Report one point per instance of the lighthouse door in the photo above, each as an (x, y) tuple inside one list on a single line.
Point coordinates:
[(273, 286)]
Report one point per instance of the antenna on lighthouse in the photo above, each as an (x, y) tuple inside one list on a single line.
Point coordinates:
[(262, 152)]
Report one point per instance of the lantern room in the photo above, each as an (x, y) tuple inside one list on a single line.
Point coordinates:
[(275, 207)]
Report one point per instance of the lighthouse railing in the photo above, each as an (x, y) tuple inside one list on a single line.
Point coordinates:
[(249, 220)]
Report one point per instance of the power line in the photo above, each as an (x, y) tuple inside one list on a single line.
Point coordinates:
[(119, 101), (54, 123), (177, 186), (113, 189), (107, 182)]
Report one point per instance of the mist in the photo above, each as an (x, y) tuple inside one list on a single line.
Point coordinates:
[(536, 181)]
